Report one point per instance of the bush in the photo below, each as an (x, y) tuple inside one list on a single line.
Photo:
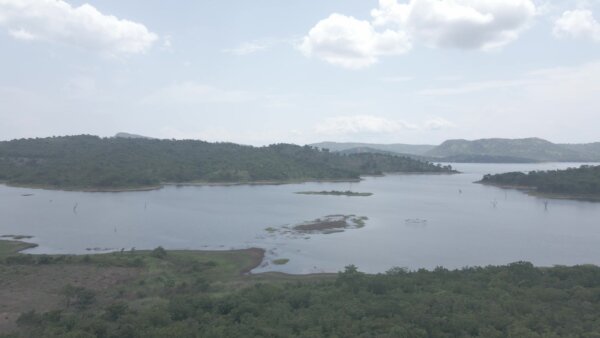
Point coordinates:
[(115, 311), (20, 259), (159, 253), (79, 296)]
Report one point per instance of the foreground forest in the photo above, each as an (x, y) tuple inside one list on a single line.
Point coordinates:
[(91, 162), (206, 294), (583, 181)]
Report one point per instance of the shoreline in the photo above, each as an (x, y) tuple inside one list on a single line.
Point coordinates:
[(213, 184), (174, 184), (52, 188), (257, 255), (532, 191)]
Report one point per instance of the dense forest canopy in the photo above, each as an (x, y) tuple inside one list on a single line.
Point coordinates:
[(517, 300), (584, 180), (93, 162)]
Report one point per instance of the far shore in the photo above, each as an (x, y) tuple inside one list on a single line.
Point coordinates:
[(532, 191), (182, 184), (209, 184)]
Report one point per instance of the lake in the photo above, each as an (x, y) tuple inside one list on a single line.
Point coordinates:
[(415, 221)]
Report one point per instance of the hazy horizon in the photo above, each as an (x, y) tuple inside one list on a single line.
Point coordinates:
[(316, 142), (297, 72)]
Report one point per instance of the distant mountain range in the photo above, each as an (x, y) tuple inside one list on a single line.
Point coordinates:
[(494, 150), (128, 135), (408, 149)]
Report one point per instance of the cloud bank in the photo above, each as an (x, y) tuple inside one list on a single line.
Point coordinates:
[(395, 27), (578, 23), (83, 26), (351, 43)]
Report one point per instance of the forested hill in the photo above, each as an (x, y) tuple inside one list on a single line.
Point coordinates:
[(529, 149), (578, 182), (494, 150), (91, 162)]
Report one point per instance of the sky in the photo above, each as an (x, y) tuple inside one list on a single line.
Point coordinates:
[(270, 71)]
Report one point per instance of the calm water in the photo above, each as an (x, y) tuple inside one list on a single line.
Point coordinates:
[(461, 228)]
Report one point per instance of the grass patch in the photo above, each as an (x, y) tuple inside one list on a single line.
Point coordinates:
[(280, 261), (9, 247), (16, 237)]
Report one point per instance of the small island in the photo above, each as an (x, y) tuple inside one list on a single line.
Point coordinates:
[(336, 193), (332, 224), (325, 225), (573, 183)]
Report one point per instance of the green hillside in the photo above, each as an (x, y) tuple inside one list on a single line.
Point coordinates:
[(576, 182), (409, 149), (528, 149), (91, 162)]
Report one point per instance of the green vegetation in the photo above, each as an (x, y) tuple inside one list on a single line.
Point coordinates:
[(89, 162), (331, 223), (360, 221), (9, 247), (496, 150), (336, 193), (397, 148), (17, 237), (204, 294), (280, 261), (509, 150), (581, 182)]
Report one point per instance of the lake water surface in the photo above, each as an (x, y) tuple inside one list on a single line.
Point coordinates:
[(480, 226)]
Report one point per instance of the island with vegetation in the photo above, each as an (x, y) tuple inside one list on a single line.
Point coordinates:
[(577, 183), (336, 193), (163, 293), (92, 163), (325, 225)]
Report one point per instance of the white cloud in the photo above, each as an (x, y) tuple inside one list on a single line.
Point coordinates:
[(83, 26), (578, 23), (361, 124), (466, 24), (438, 123), (21, 34), (195, 93), (351, 43)]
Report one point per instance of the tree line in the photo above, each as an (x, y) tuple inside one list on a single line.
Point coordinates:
[(584, 180), (517, 300), (92, 162)]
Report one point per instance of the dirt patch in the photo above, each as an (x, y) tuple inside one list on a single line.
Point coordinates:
[(24, 288)]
